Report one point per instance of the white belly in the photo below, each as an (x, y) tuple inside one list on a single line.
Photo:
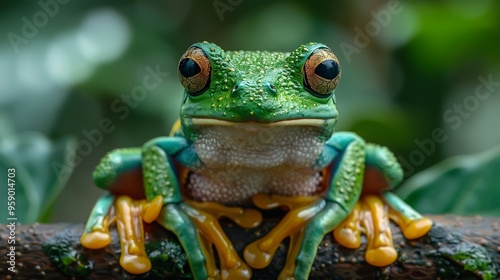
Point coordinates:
[(241, 162)]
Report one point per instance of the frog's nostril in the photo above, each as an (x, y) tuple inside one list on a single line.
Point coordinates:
[(272, 88)]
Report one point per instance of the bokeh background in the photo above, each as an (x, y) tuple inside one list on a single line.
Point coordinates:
[(411, 72)]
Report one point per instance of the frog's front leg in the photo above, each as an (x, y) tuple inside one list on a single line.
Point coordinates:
[(195, 224), (376, 207), (310, 218)]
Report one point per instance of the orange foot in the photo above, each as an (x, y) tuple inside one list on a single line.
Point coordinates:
[(205, 216), (129, 215), (371, 216)]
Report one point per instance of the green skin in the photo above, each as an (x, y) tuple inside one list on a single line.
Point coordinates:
[(270, 89)]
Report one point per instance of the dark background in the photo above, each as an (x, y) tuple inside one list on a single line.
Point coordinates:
[(410, 71)]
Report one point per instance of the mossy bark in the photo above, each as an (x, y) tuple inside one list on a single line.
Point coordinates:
[(455, 248)]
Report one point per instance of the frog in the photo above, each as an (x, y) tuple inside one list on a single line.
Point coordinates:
[(256, 132)]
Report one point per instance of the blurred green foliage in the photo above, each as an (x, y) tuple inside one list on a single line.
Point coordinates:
[(31, 185), (68, 69), (463, 185), (471, 186)]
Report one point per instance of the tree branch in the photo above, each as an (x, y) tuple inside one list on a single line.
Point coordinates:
[(456, 247)]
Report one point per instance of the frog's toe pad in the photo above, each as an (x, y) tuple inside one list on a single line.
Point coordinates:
[(347, 238), (242, 272), (417, 228), (95, 239), (249, 218), (135, 264), (256, 257), (152, 209), (382, 256)]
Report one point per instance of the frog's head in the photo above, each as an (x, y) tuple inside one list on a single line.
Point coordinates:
[(252, 89)]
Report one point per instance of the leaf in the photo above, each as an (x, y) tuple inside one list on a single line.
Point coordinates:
[(37, 184), (464, 185)]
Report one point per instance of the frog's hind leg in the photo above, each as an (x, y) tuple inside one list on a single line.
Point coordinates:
[(130, 215), (412, 224), (380, 249), (120, 173), (376, 207)]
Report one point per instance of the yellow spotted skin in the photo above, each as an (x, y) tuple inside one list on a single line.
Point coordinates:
[(256, 132)]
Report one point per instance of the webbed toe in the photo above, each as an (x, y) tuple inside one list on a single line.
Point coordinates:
[(371, 216), (302, 209), (205, 216), (97, 239)]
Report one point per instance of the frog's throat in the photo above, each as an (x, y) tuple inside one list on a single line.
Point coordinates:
[(294, 122)]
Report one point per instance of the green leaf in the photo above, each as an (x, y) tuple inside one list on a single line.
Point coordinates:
[(464, 185), (37, 184)]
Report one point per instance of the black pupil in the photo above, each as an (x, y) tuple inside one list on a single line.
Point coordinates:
[(327, 69), (189, 67)]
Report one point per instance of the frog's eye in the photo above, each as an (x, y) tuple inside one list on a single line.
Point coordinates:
[(321, 72), (194, 71)]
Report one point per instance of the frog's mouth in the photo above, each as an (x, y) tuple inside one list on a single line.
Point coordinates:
[(252, 126)]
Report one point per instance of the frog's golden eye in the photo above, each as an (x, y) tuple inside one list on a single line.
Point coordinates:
[(321, 72), (194, 71)]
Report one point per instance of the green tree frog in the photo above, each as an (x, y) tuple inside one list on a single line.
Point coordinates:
[(256, 132)]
